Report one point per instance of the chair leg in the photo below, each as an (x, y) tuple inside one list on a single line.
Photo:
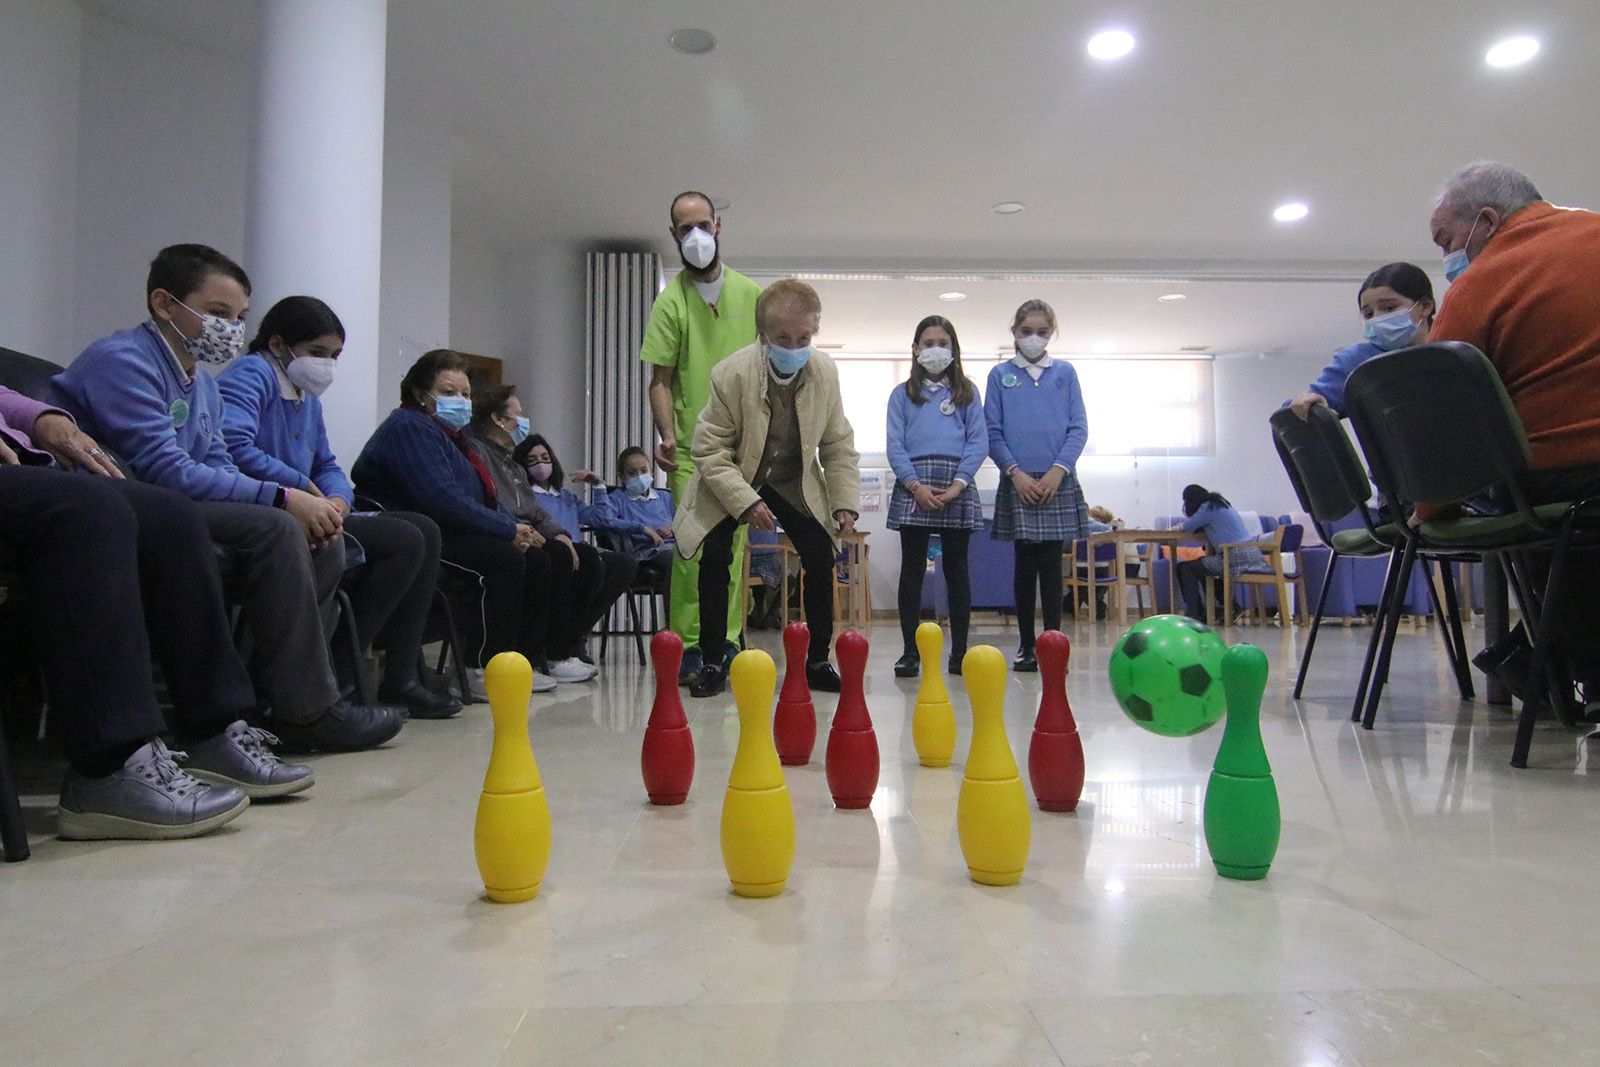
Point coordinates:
[(1450, 651), (1386, 652), (345, 635), (1453, 634), (1539, 675), (638, 634), (1379, 619), (1316, 624), (13, 830)]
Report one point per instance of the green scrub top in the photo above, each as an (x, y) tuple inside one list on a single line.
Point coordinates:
[(686, 333)]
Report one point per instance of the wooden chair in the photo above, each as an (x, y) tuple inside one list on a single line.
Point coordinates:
[(1273, 551)]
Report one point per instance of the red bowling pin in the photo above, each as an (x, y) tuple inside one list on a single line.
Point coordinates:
[(1055, 754), (852, 760), (667, 759), (794, 727)]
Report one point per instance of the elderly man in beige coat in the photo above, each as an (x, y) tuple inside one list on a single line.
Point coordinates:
[(772, 446)]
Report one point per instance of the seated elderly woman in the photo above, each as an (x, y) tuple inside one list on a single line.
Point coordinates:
[(800, 468), (111, 571), (419, 460), (498, 426)]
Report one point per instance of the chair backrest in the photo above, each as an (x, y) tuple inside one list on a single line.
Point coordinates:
[(1322, 465), (28, 375), (1293, 535), (1436, 423)]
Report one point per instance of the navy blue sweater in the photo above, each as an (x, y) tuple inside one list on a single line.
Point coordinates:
[(411, 464)]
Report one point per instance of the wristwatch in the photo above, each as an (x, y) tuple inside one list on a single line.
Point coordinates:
[(280, 499)]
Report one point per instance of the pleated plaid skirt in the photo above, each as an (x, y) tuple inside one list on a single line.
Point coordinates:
[(1063, 518), (965, 512)]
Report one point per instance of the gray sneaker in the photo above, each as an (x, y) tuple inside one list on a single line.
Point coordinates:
[(239, 757), (150, 799)]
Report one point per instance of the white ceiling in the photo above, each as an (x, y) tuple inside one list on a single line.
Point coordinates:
[(850, 134)]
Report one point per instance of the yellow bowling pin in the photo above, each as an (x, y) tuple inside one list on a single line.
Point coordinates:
[(992, 811), (933, 723), (512, 836), (757, 817)]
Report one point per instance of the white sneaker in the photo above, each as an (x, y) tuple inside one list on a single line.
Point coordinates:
[(571, 669), (542, 683)]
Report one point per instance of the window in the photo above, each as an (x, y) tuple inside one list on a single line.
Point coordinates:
[(1137, 405)]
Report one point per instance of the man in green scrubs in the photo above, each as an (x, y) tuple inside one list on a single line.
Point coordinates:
[(706, 313)]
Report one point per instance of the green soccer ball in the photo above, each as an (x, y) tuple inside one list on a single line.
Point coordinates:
[(1166, 673)]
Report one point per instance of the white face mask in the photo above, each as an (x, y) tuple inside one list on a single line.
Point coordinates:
[(1032, 347), (699, 248), (311, 374), (935, 359)]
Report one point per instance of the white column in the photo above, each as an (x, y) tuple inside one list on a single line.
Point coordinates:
[(316, 183)]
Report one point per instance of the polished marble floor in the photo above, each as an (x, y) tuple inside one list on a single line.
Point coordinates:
[(1428, 903)]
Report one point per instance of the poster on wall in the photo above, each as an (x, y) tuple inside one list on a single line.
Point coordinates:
[(875, 484)]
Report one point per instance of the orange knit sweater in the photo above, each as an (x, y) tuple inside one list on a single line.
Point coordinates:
[(1531, 303)]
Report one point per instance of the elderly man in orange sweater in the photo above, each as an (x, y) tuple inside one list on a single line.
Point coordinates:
[(1531, 303)]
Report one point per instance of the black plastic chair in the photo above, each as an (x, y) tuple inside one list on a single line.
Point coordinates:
[(654, 589), (1437, 426), (13, 829), (1330, 483)]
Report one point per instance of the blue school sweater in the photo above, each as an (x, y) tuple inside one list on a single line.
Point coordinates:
[(128, 392), (917, 430), (1221, 526), (568, 509), (633, 515), (276, 438), (1330, 383), (1035, 425), (410, 464)]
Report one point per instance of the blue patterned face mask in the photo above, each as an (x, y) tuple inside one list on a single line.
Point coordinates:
[(787, 361), (454, 411)]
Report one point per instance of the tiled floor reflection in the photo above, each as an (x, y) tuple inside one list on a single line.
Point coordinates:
[(1428, 903)]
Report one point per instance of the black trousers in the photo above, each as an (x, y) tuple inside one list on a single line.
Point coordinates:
[(111, 571), (815, 546), (393, 590), (525, 597), (1038, 567), (914, 542), (616, 572), (1192, 575), (1577, 623)]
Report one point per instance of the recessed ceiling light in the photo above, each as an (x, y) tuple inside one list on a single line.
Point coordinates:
[(692, 42), (953, 295), (1111, 44), (1512, 52), (1172, 298), (1292, 212), (1008, 207)]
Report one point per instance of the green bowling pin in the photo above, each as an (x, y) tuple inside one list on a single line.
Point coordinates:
[(1241, 811)]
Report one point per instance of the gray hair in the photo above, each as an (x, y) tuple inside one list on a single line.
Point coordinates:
[(1480, 185)]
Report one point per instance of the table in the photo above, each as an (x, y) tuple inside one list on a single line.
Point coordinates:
[(852, 596), (1170, 538)]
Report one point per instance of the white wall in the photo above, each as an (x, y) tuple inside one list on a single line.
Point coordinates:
[(416, 280), (163, 152), (40, 60)]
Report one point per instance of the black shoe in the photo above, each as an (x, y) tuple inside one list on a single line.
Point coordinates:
[(1507, 662), (689, 670), (345, 727), (954, 666), (823, 678), (709, 682), (420, 701), (1026, 662), (908, 666)]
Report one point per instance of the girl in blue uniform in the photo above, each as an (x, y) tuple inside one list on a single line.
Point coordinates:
[(1037, 430), (937, 439), (1396, 301)]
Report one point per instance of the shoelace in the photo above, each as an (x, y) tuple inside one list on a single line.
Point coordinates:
[(164, 762), (254, 741)]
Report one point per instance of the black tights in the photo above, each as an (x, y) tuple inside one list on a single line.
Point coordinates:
[(914, 565), (1038, 567)]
